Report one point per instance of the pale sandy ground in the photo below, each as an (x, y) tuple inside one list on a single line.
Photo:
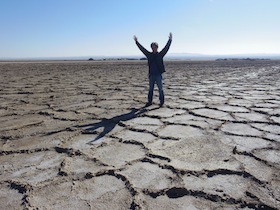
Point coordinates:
[(75, 135)]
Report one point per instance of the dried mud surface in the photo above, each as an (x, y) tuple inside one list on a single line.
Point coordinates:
[(76, 135)]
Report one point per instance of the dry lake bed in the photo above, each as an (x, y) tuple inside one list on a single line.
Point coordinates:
[(76, 135)]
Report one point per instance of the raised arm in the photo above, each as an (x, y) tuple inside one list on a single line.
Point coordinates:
[(143, 50), (167, 46), (135, 38)]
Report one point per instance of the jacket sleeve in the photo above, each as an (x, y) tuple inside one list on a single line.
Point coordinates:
[(143, 50), (166, 48)]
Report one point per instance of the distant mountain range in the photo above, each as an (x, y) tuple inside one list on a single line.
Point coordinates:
[(173, 56), (193, 56)]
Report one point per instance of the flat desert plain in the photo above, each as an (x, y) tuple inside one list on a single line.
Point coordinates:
[(76, 135)]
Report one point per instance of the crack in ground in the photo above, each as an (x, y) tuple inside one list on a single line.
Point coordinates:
[(137, 129), (25, 151), (73, 153), (176, 192), (249, 154), (23, 189), (250, 136), (134, 205), (238, 173), (208, 173), (25, 126)]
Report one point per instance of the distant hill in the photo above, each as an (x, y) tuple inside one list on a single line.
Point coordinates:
[(173, 56), (193, 56)]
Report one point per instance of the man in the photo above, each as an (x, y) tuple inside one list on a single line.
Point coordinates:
[(156, 68)]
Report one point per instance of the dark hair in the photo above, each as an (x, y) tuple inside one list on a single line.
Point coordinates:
[(154, 43)]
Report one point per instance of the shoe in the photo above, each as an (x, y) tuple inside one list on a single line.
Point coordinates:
[(148, 104), (161, 104)]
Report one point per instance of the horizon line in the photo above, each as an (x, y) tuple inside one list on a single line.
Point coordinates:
[(172, 55)]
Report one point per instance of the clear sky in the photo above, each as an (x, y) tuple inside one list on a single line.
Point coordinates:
[(50, 28)]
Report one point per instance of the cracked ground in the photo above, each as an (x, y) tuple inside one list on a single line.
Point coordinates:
[(76, 135)]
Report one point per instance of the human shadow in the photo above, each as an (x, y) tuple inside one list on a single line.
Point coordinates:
[(109, 124)]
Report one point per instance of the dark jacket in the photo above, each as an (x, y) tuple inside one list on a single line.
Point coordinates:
[(157, 57)]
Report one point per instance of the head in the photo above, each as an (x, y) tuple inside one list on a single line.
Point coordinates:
[(154, 47)]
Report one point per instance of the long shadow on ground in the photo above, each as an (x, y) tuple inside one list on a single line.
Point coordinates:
[(109, 124)]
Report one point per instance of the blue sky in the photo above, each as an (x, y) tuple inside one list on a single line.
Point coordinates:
[(58, 28)]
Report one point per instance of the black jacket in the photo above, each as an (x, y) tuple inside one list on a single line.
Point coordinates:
[(158, 57)]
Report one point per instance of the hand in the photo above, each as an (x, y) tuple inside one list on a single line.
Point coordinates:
[(135, 38), (170, 36)]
